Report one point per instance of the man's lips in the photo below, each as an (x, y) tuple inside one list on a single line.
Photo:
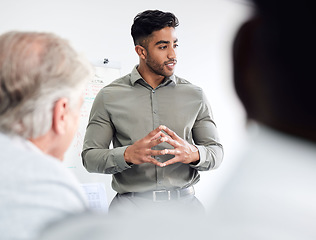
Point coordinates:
[(171, 64)]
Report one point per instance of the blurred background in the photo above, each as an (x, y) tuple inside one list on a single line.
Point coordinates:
[(101, 29)]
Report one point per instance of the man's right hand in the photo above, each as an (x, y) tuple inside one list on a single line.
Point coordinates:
[(141, 151)]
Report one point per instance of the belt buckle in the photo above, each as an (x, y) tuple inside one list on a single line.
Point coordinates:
[(166, 193)]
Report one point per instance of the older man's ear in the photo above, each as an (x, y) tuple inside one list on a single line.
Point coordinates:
[(60, 114)]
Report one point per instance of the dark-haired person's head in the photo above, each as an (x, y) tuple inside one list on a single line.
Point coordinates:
[(273, 68), (145, 23)]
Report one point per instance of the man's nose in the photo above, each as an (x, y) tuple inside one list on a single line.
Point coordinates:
[(172, 53)]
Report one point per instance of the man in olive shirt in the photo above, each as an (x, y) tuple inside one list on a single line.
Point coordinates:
[(161, 125)]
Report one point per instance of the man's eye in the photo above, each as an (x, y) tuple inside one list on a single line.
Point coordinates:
[(176, 45), (163, 47)]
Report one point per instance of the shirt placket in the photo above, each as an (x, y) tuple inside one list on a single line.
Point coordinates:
[(156, 122), (154, 103)]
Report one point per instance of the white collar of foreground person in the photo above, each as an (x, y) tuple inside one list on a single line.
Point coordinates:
[(271, 137), (270, 193), (21, 143)]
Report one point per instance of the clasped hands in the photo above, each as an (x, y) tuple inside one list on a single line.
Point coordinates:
[(141, 151)]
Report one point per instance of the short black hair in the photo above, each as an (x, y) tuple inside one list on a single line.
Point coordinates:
[(149, 21)]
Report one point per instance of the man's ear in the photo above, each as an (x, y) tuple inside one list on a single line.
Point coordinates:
[(141, 52), (60, 113)]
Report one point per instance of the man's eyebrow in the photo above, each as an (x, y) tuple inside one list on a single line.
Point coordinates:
[(162, 42), (165, 42)]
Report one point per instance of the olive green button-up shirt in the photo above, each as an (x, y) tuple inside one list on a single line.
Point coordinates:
[(127, 110)]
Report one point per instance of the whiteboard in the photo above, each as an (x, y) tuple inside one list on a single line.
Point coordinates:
[(103, 76)]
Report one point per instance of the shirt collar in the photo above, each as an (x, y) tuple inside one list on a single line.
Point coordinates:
[(135, 76), (22, 143)]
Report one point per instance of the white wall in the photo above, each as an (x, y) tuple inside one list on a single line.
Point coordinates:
[(101, 29)]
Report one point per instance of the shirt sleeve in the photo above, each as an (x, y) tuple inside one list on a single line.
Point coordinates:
[(96, 155), (206, 139)]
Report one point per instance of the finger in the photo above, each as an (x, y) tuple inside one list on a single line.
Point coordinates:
[(164, 134), (153, 133), (171, 151), (157, 136), (171, 161), (155, 142), (155, 162), (171, 141), (158, 152), (171, 133)]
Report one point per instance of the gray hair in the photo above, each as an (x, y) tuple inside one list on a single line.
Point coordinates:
[(36, 70)]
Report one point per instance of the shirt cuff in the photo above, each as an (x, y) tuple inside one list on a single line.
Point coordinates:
[(202, 154), (119, 158)]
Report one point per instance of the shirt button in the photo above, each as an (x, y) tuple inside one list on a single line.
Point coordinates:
[(159, 182), (153, 91)]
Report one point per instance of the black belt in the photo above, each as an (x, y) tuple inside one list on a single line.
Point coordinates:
[(163, 195)]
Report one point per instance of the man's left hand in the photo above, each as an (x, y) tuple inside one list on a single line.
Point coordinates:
[(183, 151)]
